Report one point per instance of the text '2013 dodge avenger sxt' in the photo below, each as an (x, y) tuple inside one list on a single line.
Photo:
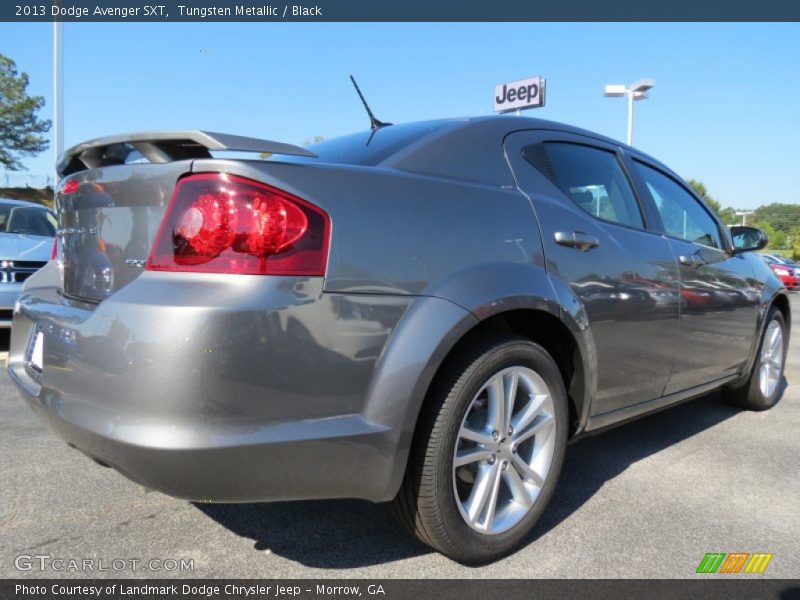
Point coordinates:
[(421, 313)]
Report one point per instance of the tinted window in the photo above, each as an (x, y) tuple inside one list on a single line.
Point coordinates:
[(28, 220), (683, 216), (593, 179)]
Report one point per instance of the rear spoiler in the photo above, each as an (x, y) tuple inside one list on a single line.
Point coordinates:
[(163, 147)]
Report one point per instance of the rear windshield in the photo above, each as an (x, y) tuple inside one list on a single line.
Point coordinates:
[(367, 147), (27, 220)]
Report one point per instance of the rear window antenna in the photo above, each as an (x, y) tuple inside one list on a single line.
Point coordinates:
[(373, 122)]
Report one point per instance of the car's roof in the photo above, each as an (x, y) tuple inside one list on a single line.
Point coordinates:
[(21, 203), (450, 147)]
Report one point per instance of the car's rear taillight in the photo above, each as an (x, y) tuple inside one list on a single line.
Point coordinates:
[(219, 223), (69, 187), (54, 251)]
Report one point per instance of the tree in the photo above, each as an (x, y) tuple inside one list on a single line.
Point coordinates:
[(778, 240), (700, 189), (726, 215), (783, 217), (20, 129), (795, 242), (769, 230)]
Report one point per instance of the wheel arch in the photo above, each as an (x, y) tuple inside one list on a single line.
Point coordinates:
[(778, 299), (781, 302), (550, 332), (401, 375)]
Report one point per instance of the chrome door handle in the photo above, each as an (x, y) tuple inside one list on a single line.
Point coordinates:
[(692, 261), (576, 239)]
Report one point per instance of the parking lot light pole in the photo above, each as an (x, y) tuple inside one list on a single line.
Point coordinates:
[(58, 93), (636, 91), (744, 213)]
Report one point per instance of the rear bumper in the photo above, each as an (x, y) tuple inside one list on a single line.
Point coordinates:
[(214, 388)]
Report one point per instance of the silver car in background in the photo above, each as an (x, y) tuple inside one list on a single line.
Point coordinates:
[(27, 231)]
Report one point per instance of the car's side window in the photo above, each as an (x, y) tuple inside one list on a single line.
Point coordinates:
[(592, 178), (683, 216)]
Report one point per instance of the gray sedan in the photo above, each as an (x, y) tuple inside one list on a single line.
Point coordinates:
[(423, 313)]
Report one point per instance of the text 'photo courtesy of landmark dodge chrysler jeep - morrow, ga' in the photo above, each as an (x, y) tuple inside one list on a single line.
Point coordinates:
[(422, 313)]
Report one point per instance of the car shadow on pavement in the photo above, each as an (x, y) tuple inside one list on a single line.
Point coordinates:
[(324, 534), (349, 534), (594, 460)]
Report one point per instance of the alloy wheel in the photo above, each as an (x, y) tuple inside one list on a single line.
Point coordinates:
[(771, 366), (504, 450)]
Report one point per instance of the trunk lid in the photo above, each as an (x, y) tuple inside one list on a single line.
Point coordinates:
[(114, 195), (108, 223)]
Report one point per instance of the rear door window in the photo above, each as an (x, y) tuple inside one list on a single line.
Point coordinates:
[(592, 178)]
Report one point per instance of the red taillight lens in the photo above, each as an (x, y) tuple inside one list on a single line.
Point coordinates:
[(69, 187), (54, 251), (218, 223)]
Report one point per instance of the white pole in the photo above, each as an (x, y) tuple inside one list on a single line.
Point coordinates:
[(630, 117), (58, 93)]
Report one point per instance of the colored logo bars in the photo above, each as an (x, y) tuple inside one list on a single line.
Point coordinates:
[(735, 562)]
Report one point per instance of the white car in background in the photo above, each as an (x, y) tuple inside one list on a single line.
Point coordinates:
[(27, 232)]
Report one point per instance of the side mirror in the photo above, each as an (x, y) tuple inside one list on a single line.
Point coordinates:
[(747, 239)]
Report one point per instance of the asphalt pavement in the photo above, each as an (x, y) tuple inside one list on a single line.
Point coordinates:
[(645, 500)]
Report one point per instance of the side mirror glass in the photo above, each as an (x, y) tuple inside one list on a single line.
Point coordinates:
[(747, 239)]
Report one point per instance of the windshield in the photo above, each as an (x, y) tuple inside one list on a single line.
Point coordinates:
[(27, 220)]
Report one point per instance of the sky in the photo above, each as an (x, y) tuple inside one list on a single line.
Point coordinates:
[(724, 110)]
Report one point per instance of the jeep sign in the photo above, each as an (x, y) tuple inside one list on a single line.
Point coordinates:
[(516, 95)]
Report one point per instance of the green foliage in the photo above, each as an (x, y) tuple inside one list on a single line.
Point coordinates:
[(783, 217), (29, 194), (795, 243), (769, 230), (20, 129), (726, 215), (778, 241), (701, 190), (777, 220)]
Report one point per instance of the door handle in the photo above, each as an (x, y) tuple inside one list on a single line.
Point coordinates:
[(576, 239), (691, 260)]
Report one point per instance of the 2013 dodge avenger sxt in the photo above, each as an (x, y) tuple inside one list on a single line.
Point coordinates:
[(423, 313)]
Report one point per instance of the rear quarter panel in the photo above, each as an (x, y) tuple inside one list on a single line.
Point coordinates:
[(400, 233), (465, 250)]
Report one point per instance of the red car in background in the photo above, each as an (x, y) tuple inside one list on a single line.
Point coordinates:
[(788, 274)]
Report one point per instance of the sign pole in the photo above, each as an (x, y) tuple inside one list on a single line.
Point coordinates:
[(630, 117), (58, 93)]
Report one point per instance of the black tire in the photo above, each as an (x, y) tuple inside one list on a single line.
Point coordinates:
[(749, 394), (426, 504)]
